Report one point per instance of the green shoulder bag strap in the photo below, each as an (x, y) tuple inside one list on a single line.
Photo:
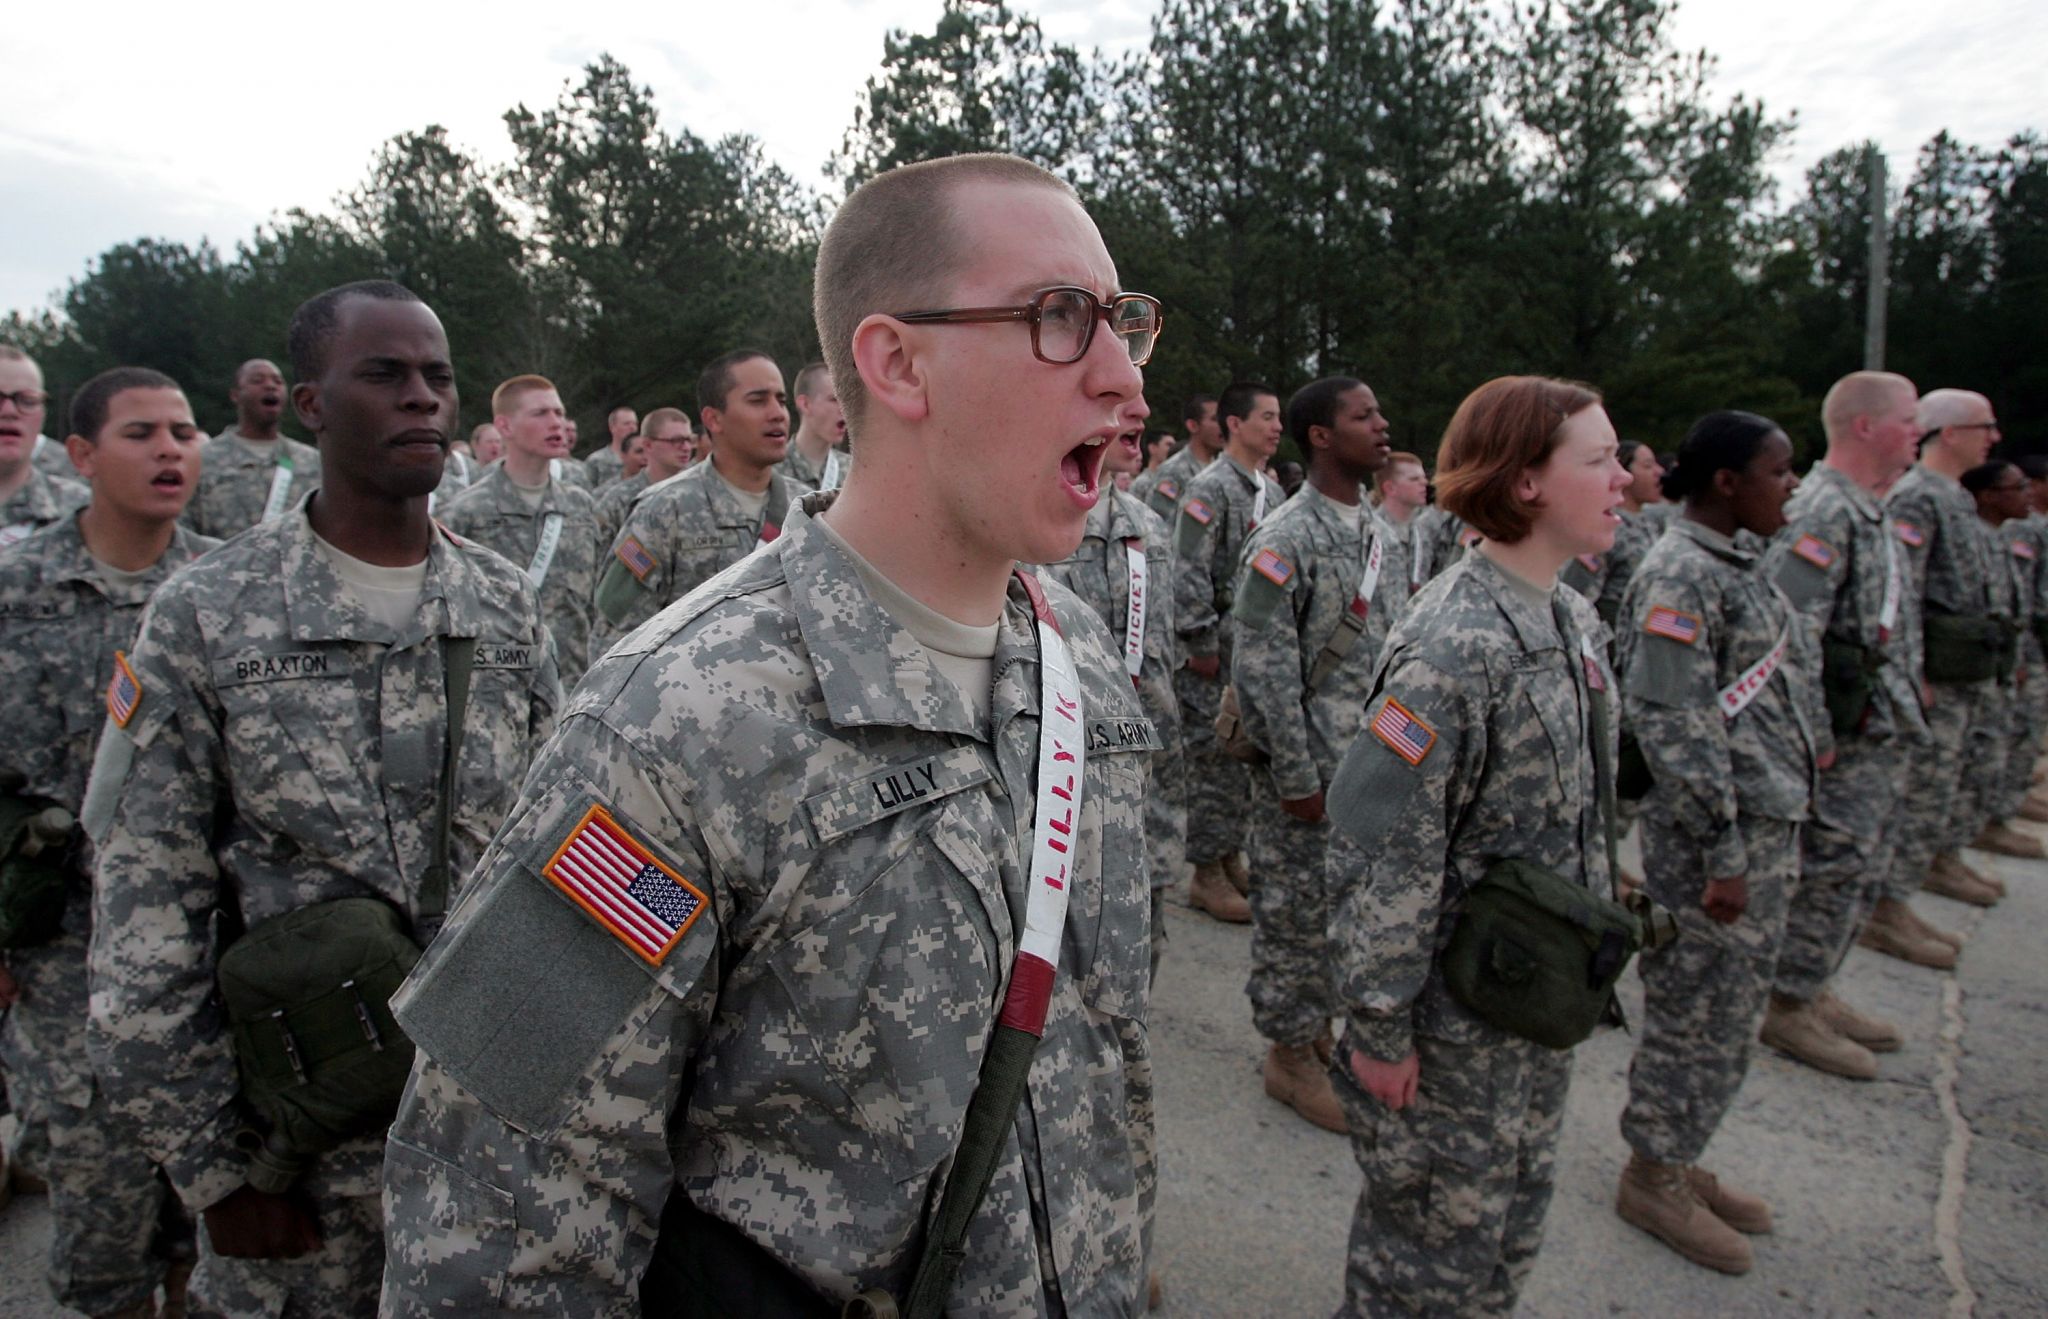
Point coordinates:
[(1006, 1066), (458, 660)]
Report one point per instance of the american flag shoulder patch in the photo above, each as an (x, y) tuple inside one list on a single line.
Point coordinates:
[(1910, 534), (1169, 487), (1269, 564), (1590, 562), (1197, 510), (1407, 736), (2022, 549), (124, 693), (636, 558), (623, 886), (1672, 624), (1815, 551), (1469, 537)]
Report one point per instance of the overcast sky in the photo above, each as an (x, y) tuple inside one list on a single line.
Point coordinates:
[(203, 119)]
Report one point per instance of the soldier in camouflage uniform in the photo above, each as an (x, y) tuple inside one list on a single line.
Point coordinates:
[(2003, 755), (1102, 572), (1162, 488), (1217, 513), (1401, 498), (608, 465), (820, 439), (670, 447), (1840, 562), (276, 741), (71, 596), (31, 495), (828, 787), (1951, 571), (547, 527), (1718, 699), (715, 513), (252, 472), (1478, 745), (1323, 579), (2033, 532)]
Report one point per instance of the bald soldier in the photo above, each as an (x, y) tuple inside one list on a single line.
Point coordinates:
[(1842, 563), (542, 524), (252, 472), (713, 515), (820, 439), (317, 730), (608, 464), (669, 444), (847, 782), (30, 495)]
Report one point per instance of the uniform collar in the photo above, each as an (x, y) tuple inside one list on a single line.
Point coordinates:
[(1712, 541), (1865, 503), (871, 670), (69, 560), (36, 501), (504, 495), (319, 606), (1116, 517), (725, 505), (1535, 629)]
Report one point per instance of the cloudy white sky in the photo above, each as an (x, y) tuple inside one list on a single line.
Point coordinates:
[(202, 119)]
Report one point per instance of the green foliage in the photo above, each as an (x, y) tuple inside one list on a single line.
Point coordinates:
[(1423, 193)]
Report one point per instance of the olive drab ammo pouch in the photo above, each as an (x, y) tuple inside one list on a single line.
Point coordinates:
[(34, 840), (1848, 682), (1230, 734), (1962, 648), (1538, 954), (308, 995)]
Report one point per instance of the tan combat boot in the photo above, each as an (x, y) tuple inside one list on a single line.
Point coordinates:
[(1873, 1033), (1950, 878), (1239, 875), (1919, 925), (1890, 930), (1659, 1198), (1982, 874), (1296, 1079), (2035, 806), (1797, 1031), (1210, 892), (1746, 1213), (2002, 839)]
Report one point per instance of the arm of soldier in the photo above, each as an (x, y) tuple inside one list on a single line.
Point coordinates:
[(157, 1035), (1812, 581), (1194, 583), (632, 583), (1393, 806), (1916, 508), (1670, 699), (1266, 664), (530, 1161)]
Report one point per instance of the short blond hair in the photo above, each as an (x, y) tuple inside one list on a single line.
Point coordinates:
[(1859, 394), (660, 417), (891, 247), (506, 396)]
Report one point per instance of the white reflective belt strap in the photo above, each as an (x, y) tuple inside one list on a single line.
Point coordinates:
[(1418, 553), (1055, 818), (280, 484), (15, 533), (544, 553), (835, 471), (1736, 696), (1134, 612), (554, 469), (1888, 612), (1259, 501), (36, 450), (1375, 559)]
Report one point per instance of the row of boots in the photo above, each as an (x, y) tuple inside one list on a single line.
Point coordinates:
[(1692, 1211)]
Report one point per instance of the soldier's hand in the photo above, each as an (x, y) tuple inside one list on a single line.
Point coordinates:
[(1393, 1084), (1726, 899), (253, 1224), (1308, 809), (10, 988), (1205, 666)]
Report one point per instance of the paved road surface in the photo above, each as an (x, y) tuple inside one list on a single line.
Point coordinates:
[(1923, 1193)]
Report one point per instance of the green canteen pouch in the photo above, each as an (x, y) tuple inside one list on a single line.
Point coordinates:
[(1632, 777), (34, 839), (1848, 682), (1537, 954), (308, 998), (1963, 648)]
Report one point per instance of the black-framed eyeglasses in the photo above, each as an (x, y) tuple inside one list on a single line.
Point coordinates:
[(25, 400), (1063, 320)]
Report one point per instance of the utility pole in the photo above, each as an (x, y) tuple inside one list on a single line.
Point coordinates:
[(1880, 268)]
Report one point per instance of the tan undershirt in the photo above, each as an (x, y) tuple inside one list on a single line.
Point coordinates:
[(961, 651), (389, 595)]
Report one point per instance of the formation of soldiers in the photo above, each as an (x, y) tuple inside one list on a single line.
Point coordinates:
[(775, 867)]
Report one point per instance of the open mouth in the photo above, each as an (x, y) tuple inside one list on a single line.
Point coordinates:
[(168, 481), (1081, 468)]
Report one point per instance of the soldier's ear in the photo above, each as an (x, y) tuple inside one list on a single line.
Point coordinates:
[(885, 351), (306, 402)]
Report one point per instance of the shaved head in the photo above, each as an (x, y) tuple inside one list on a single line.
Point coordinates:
[(254, 363), (1941, 408), (1860, 394)]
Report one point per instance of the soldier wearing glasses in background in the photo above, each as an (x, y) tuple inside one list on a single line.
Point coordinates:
[(670, 446), (824, 770), (30, 496)]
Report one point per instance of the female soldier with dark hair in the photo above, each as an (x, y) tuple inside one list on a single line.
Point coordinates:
[(1717, 691), (1479, 745)]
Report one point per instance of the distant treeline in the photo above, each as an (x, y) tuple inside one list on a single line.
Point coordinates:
[(1424, 193)]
